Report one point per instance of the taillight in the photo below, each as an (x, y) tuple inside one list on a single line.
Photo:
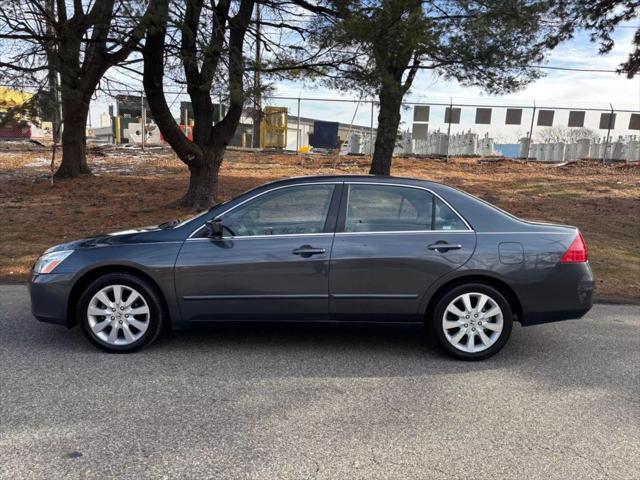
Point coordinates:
[(578, 251)]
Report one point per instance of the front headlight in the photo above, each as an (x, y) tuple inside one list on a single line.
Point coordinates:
[(49, 261)]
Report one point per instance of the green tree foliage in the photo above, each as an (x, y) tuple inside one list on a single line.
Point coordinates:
[(600, 18), (383, 44)]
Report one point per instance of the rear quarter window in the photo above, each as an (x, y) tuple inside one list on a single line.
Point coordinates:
[(446, 219)]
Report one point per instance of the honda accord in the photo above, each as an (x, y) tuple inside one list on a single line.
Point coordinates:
[(335, 249)]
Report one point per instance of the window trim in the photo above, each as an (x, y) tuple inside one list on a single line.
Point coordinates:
[(343, 195), (338, 185), (340, 227)]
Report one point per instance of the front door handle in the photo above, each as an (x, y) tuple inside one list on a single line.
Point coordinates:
[(308, 250), (444, 247)]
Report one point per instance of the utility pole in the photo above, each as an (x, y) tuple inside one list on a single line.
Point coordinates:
[(449, 127), (298, 129), (53, 103), (257, 85)]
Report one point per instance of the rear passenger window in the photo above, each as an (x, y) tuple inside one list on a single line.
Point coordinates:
[(387, 208), (446, 219)]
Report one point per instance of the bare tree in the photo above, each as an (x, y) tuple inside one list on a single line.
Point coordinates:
[(560, 134), (211, 38), (207, 45), (43, 39)]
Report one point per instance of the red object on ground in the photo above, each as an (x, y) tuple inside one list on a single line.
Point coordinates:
[(17, 132)]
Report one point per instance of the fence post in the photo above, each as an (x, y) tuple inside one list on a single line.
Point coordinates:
[(449, 127), (606, 144), (298, 129), (533, 116), (143, 119), (371, 129)]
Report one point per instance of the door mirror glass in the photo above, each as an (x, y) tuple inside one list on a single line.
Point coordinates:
[(214, 228)]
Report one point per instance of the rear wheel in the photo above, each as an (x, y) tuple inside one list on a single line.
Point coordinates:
[(472, 321), (120, 312)]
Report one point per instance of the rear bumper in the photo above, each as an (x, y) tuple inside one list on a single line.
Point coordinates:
[(49, 297), (536, 318), (565, 294)]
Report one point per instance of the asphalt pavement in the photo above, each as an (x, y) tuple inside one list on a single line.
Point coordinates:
[(561, 401)]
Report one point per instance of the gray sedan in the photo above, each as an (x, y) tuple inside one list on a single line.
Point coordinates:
[(335, 249)]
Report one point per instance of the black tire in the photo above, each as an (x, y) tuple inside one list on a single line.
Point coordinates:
[(438, 331), (150, 295)]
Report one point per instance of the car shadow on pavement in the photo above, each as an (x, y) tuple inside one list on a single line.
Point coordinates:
[(558, 355), (580, 353), (321, 350)]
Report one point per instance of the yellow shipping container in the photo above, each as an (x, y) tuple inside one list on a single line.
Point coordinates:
[(273, 127)]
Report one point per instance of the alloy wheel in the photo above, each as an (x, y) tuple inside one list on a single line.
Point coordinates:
[(472, 322), (118, 315)]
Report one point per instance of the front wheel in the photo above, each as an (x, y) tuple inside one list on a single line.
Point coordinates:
[(472, 321), (120, 312)]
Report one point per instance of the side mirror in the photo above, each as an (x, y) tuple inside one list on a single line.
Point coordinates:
[(214, 228)]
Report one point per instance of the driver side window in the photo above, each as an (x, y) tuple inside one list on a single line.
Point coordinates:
[(286, 211)]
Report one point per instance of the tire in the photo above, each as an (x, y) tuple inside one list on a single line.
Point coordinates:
[(490, 329), (136, 320)]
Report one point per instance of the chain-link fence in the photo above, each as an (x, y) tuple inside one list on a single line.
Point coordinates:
[(429, 126), (545, 132)]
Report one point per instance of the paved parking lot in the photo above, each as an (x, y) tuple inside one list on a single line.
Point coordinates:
[(562, 401)]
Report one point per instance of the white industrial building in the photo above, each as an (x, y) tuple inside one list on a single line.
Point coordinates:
[(623, 148), (355, 138), (435, 143)]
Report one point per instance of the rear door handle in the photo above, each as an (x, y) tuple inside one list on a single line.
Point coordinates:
[(443, 247), (308, 250)]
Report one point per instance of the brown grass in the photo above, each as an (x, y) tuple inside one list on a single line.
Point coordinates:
[(126, 191)]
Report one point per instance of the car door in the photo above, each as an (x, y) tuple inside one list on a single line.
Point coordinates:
[(392, 242), (271, 264)]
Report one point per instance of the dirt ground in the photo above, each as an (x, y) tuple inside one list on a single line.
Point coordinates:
[(133, 188)]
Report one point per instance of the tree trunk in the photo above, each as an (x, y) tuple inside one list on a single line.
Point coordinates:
[(388, 122), (204, 154), (74, 139), (203, 181)]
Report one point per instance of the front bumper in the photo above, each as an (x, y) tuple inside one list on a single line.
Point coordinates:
[(50, 297), (565, 294)]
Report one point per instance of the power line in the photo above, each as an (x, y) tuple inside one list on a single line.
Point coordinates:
[(572, 69), (542, 67), (179, 91)]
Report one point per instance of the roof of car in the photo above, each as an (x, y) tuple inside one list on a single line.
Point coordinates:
[(358, 178)]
